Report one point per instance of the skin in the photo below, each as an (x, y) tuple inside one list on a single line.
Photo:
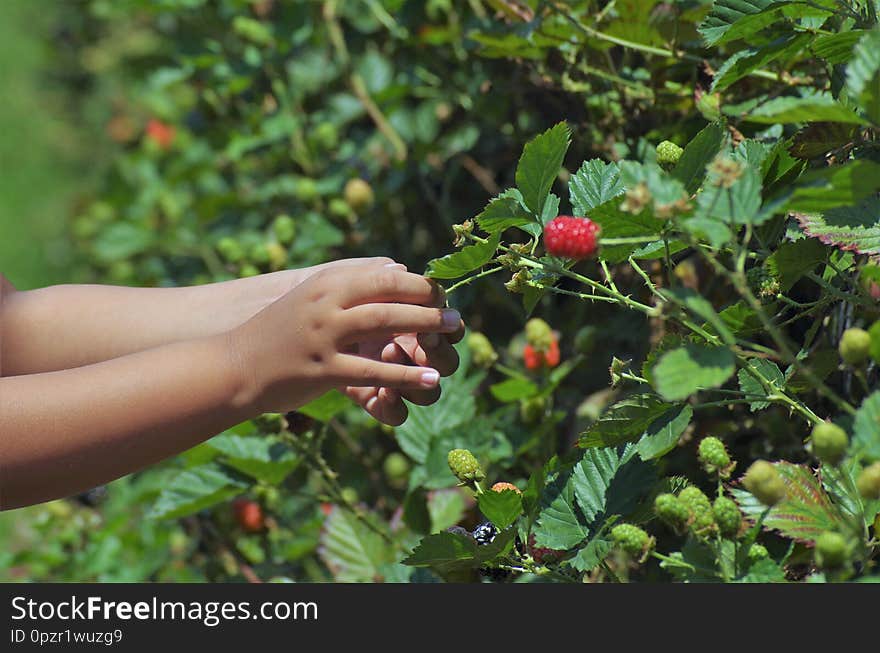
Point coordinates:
[(134, 375)]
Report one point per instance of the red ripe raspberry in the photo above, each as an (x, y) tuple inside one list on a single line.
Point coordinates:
[(160, 133), (532, 358), (551, 356), (248, 514), (571, 237), (535, 359)]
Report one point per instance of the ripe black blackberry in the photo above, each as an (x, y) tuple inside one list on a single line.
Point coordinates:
[(485, 533)]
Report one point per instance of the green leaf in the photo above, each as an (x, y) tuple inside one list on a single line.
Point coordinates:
[(764, 571), (195, 489), (726, 13), (731, 20), (866, 428), (446, 508), (327, 406), (739, 204), (750, 385), (467, 259), (745, 61), (623, 422), (560, 525), (591, 556), (691, 167), (819, 108), (539, 165), (804, 513), (664, 188), (513, 390), (452, 551), (456, 406), (416, 514), (849, 228), (686, 370), (264, 458), (500, 508), (863, 75), (836, 187), (443, 551), (352, 552), (595, 183), (836, 48), (619, 224), (819, 138), (592, 476), (505, 211), (663, 433), (792, 260)]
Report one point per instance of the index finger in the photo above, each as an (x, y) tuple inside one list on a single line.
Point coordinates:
[(388, 284)]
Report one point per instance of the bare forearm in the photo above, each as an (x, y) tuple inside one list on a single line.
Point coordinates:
[(64, 432), (67, 326)]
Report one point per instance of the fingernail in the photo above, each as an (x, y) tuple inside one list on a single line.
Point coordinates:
[(371, 404), (400, 266), (451, 318), (430, 340), (430, 378)]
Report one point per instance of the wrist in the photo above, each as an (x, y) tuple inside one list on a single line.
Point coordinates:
[(238, 360)]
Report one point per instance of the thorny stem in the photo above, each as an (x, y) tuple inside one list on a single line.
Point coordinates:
[(473, 278), (741, 285), (317, 462)]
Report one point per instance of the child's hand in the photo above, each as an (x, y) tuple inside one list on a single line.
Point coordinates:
[(313, 338), (427, 349)]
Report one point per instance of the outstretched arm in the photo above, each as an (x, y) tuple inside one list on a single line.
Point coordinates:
[(64, 432), (67, 326)]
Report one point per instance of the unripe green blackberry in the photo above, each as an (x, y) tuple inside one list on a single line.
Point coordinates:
[(632, 539), (350, 495), (539, 334), (831, 550), (668, 154), (339, 207), (230, 249), (259, 254), (670, 509), (284, 228), (727, 516), (757, 552), (396, 467), (868, 481), (531, 410), (464, 466), (326, 136), (854, 346), (358, 194), (765, 483), (483, 354), (702, 519), (306, 190), (714, 457), (829, 442), (248, 270)]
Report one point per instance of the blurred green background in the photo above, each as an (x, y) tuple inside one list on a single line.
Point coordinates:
[(46, 163)]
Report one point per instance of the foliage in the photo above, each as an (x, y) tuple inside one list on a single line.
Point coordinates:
[(718, 297)]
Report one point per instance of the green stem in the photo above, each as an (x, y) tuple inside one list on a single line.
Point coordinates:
[(473, 278)]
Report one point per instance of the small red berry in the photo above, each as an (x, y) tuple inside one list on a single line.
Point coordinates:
[(571, 237), (162, 134), (248, 514), (542, 554), (535, 359), (551, 356), (532, 358)]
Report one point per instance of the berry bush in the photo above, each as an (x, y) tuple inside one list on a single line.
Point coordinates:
[(659, 219)]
